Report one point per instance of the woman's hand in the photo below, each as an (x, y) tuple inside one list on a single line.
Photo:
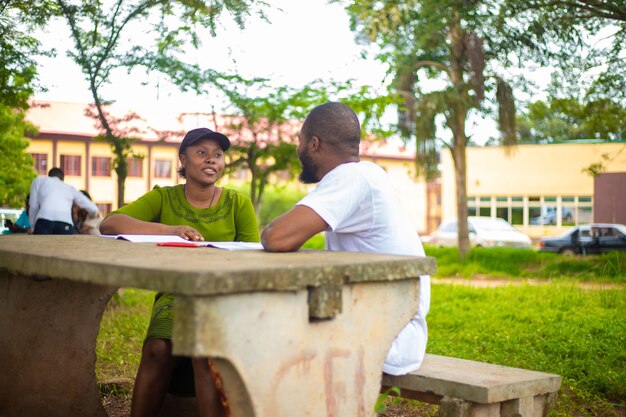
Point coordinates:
[(186, 232)]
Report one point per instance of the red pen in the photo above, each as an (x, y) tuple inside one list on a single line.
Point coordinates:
[(179, 244)]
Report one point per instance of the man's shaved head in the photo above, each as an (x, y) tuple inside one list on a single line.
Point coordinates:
[(334, 124)]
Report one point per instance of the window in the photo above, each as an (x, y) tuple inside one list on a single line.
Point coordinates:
[(101, 166), (70, 164), (41, 163), (162, 168), (135, 167), (471, 206)]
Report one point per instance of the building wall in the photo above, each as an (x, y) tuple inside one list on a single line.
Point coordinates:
[(531, 178)]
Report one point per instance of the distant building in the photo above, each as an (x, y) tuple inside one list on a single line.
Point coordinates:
[(540, 189)]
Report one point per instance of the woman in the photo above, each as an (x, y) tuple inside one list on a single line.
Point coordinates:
[(198, 210)]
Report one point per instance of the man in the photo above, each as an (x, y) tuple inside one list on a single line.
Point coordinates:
[(354, 203), (51, 202)]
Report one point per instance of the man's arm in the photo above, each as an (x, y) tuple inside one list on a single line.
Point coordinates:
[(291, 230)]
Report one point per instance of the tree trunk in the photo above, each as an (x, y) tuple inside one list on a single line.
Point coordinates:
[(121, 185), (456, 121), (460, 173)]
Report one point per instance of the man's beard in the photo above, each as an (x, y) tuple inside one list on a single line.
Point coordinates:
[(307, 176)]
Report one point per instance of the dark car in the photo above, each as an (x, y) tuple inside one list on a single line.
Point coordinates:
[(587, 239)]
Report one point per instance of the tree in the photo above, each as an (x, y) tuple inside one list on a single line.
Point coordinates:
[(584, 38), (18, 81), (445, 43), (560, 119), (264, 121), (18, 71), (100, 31), (17, 166)]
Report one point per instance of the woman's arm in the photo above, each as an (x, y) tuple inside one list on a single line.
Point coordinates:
[(117, 224)]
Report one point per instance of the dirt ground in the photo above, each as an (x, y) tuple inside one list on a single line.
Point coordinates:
[(117, 406)]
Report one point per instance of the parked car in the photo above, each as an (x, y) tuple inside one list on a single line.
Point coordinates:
[(548, 216), (587, 239), (483, 232)]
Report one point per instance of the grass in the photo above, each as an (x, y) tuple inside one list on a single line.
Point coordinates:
[(122, 331), (557, 328), (560, 328), (527, 263)]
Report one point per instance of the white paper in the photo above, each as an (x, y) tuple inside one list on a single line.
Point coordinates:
[(178, 239)]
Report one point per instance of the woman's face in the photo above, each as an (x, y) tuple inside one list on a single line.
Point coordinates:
[(203, 162)]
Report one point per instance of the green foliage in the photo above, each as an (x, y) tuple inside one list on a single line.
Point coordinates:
[(17, 166), (576, 333), (99, 30), (315, 242), (512, 263), (560, 119), (561, 33), (388, 398), (18, 50)]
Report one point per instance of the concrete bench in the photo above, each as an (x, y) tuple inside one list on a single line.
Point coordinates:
[(465, 388)]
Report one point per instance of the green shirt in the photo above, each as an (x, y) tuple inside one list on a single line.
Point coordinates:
[(231, 219)]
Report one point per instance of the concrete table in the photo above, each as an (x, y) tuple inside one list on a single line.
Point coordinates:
[(293, 334)]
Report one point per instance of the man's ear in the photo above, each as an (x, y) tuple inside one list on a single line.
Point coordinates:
[(315, 143)]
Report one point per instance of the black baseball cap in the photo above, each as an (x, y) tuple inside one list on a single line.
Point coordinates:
[(195, 135)]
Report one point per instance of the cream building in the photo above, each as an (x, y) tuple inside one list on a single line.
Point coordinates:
[(540, 189)]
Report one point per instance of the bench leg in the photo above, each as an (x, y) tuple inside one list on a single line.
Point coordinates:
[(520, 407), (454, 407), (543, 404)]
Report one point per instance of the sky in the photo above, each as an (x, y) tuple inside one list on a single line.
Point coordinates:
[(307, 40)]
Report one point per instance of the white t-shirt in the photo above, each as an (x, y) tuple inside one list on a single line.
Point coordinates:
[(358, 203), (52, 199)]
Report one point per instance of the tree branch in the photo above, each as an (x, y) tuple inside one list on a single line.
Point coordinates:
[(434, 64)]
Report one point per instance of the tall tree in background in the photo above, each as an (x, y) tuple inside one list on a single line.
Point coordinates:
[(18, 81), (104, 38), (445, 43)]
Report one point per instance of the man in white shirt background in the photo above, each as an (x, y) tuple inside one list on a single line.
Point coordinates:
[(354, 203), (51, 202)]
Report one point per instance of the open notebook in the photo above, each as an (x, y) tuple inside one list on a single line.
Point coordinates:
[(166, 240)]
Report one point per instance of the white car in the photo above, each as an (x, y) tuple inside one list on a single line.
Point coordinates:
[(483, 232)]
